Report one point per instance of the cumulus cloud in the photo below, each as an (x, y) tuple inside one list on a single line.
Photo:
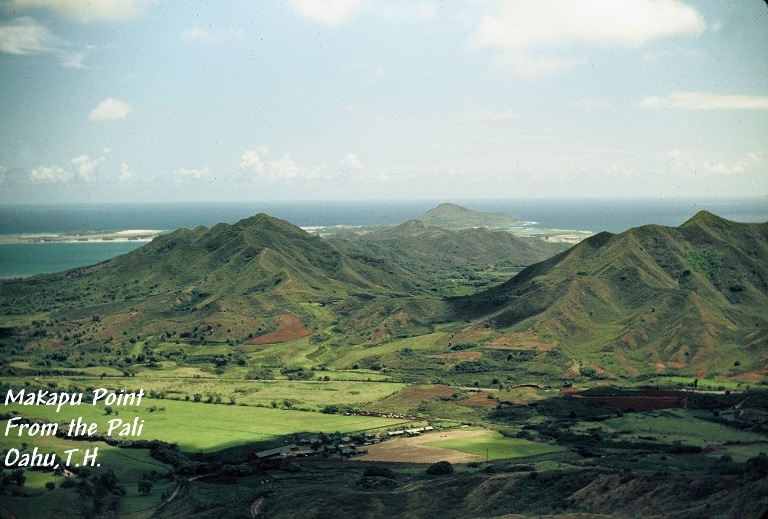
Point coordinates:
[(23, 36), (126, 175), (83, 168), (255, 167), (327, 12), (201, 34), (88, 10), (51, 174), (251, 160), (740, 166), (705, 101), (352, 162), (86, 167), (525, 31), (183, 175), (110, 109)]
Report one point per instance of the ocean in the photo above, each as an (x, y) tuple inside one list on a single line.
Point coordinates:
[(577, 214)]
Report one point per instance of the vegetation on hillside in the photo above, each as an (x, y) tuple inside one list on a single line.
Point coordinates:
[(272, 359)]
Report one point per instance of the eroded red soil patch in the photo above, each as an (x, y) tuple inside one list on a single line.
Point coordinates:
[(511, 343), (290, 328), (479, 398)]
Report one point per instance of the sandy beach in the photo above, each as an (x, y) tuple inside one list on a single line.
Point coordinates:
[(137, 235)]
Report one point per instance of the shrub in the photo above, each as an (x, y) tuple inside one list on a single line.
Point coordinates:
[(441, 468), (380, 472)]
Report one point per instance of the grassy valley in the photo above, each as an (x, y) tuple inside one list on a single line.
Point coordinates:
[(417, 370)]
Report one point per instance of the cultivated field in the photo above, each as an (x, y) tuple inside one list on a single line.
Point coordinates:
[(457, 446), (208, 427)]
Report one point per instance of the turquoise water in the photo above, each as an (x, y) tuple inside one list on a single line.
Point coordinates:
[(27, 259), (595, 215)]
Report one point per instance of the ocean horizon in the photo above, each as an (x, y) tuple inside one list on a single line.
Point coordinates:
[(571, 214)]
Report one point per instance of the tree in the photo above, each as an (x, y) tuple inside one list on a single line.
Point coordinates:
[(145, 486), (441, 468)]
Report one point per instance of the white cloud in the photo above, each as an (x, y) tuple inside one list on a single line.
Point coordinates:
[(74, 60), (23, 36), (110, 109), (251, 160), (86, 167), (182, 175), (51, 174), (88, 10), (524, 30), (352, 162), (126, 174), (705, 101), (285, 168), (740, 166), (327, 12), (200, 34)]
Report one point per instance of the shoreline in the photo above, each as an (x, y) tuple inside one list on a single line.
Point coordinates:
[(128, 235)]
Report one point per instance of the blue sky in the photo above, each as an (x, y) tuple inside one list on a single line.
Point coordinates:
[(127, 100)]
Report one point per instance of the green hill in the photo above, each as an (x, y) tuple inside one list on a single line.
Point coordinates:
[(238, 332), (234, 281), (452, 216), (693, 298), (685, 301), (475, 256)]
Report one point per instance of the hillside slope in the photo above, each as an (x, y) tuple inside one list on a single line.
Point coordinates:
[(693, 298), (437, 254), (452, 216), (248, 278)]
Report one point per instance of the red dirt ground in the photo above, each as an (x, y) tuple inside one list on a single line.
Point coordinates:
[(479, 398), (510, 343), (290, 328)]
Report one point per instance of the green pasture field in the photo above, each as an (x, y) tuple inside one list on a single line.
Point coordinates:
[(305, 394), (92, 371), (204, 427), (671, 425), (496, 446), (127, 464), (437, 341), (704, 384)]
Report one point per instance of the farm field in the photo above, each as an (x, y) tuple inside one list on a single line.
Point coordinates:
[(311, 395), (455, 446), (208, 427), (682, 426), (492, 445)]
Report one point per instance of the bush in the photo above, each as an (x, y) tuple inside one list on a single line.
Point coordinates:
[(441, 468), (380, 472)]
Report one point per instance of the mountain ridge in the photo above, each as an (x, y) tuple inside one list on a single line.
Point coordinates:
[(681, 294)]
